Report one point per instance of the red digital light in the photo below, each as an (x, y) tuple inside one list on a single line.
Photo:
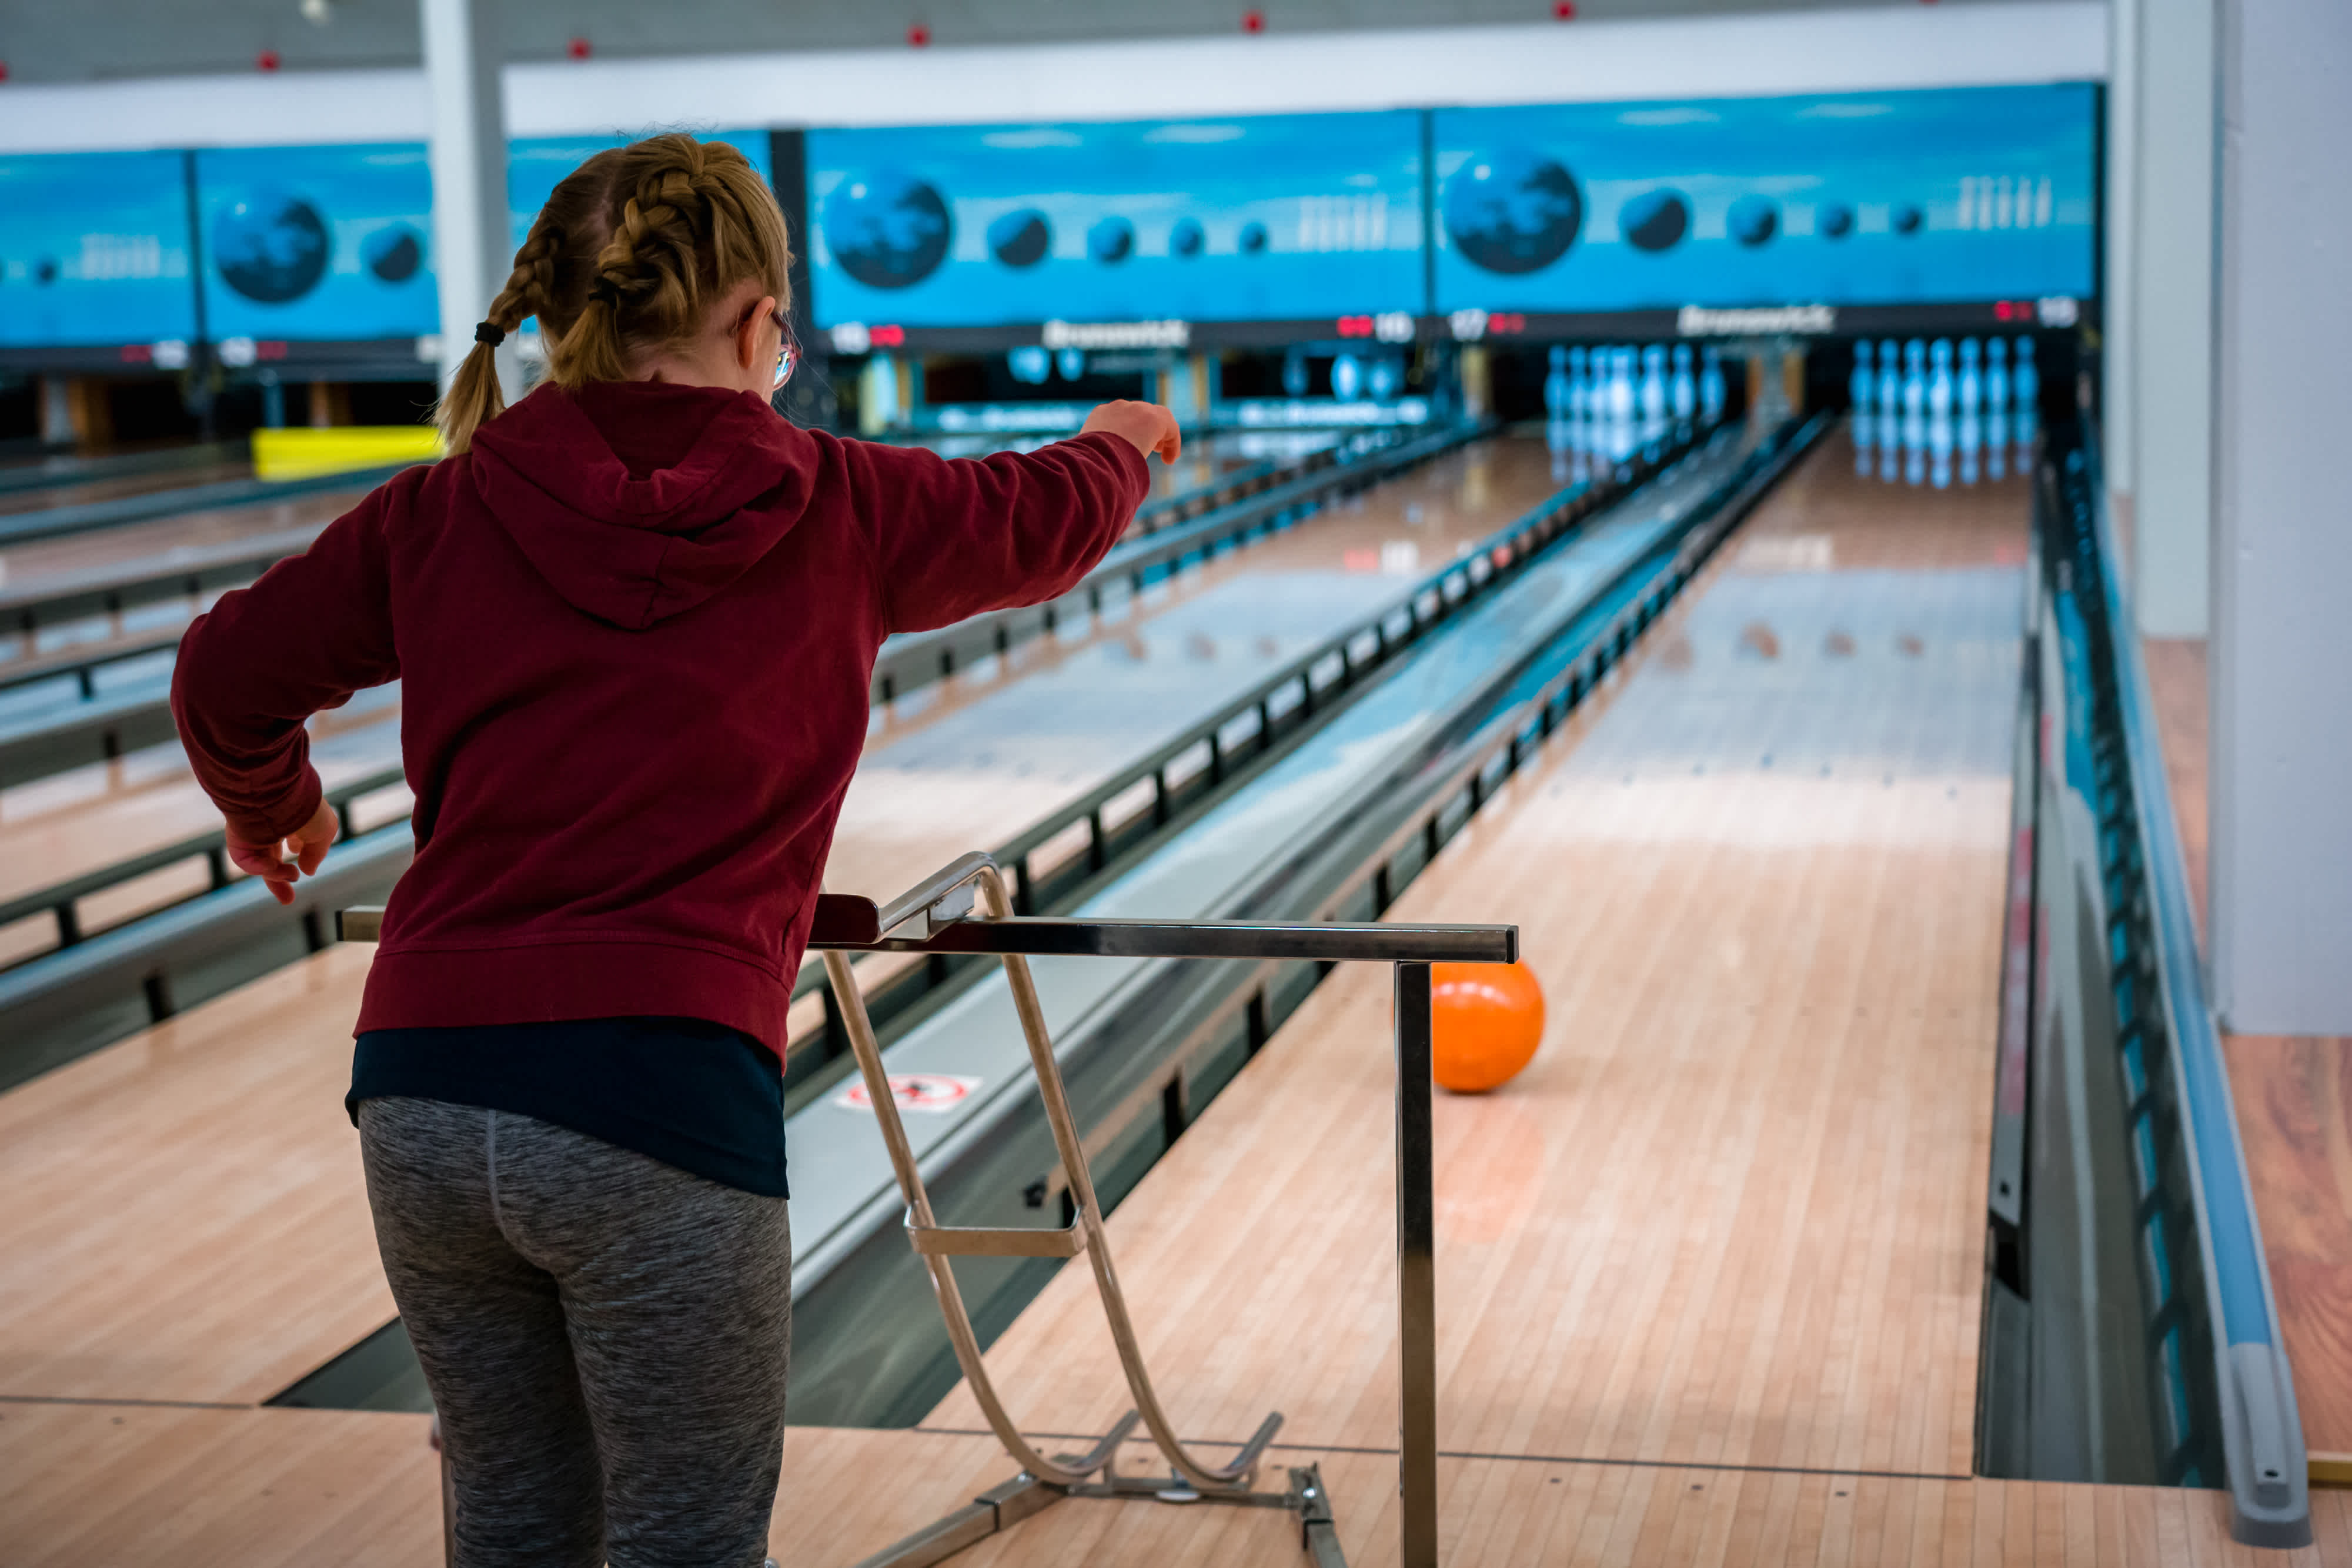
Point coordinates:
[(1503, 323), (274, 349), (888, 337), (137, 354), (579, 48), (1253, 21), (1564, 10), (1355, 326), (266, 61), (918, 36), (3, 70)]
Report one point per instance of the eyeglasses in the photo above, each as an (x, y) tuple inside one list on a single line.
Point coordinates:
[(788, 352)]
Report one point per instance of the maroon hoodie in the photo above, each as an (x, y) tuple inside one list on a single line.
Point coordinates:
[(634, 629)]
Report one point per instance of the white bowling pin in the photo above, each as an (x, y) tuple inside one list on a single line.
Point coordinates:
[(1711, 390), (1968, 385), (1577, 387), (1653, 386), (2027, 380), (1939, 380), (1621, 386), (1555, 387), (1861, 387), (1684, 386)]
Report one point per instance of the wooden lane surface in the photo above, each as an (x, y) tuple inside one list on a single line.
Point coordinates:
[(188, 1225), (308, 1488), (85, 492), (1732, 1214), (152, 543), (2293, 1099), (186, 1218)]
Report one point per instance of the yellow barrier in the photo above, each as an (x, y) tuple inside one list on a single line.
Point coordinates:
[(300, 453)]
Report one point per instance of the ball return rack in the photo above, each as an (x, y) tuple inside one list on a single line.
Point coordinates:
[(967, 908)]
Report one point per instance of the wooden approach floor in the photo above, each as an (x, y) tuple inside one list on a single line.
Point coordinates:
[(2293, 1099), (1708, 1269)]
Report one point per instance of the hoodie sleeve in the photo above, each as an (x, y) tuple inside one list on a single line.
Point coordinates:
[(954, 538), (316, 628)]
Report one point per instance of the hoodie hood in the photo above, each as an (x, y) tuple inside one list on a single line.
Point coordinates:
[(638, 500)]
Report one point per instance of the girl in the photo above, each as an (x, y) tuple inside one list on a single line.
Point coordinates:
[(635, 619)]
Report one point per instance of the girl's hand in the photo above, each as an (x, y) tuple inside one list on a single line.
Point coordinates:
[(297, 855), (1150, 427)]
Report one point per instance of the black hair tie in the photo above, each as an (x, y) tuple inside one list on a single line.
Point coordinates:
[(490, 332), (607, 292)]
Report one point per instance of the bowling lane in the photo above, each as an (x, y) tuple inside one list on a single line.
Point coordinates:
[(1732, 1214), (68, 492), (970, 764)]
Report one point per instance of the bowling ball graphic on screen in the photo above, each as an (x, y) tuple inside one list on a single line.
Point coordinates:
[(271, 249), (1252, 239), (1908, 219), (1111, 241), (1656, 219), (1835, 221), (1754, 219), (1512, 210), (1021, 238), (1187, 238), (887, 228), (393, 254)]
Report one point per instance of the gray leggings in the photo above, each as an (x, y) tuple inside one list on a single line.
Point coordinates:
[(606, 1336)]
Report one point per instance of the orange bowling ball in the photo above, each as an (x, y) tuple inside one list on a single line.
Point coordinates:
[(1486, 1022)]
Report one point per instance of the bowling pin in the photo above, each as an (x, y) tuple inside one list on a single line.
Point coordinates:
[(1711, 390), (1890, 403), (1996, 402), (2027, 380), (1684, 388), (1968, 387), (1346, 377), (1578, 373), (1654, 392), (1621, 385), (1861, 387), (1383, 379), (1915, 412), (1939, 379), (1555, 388)]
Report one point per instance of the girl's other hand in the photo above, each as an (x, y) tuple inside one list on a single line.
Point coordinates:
[(296, 855), (1148, 426)]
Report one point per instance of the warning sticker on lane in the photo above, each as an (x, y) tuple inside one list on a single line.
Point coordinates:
[(924, 1092)]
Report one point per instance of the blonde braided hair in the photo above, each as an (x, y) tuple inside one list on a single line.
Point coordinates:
[(695, 220), (622, 261)]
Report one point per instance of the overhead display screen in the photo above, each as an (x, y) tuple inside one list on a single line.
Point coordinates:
[(537, 164), (1947, 195), (1283, 217), (319, 244), (94, 250)]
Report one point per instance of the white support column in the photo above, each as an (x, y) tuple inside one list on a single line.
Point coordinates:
[(2282, 647), (2172, 350), (2119, 309), (472, 251)]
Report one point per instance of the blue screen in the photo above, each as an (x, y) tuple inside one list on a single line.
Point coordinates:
[(1274, 218), (320, 244), (94, 249), (1947, 195), (536, 164)]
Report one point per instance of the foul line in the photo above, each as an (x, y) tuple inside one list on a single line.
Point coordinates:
[(1091, 1438)]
